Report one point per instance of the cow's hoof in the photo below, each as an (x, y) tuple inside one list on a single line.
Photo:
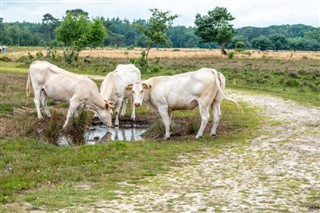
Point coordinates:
[(199, 137), (213, 135)]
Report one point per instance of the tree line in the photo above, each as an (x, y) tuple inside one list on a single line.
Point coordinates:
[(125, 33)]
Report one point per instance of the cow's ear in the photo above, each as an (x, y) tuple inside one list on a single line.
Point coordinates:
[(146, 86), (129, 87)]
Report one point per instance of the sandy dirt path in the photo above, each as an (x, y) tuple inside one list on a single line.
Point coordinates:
[(277, 171)]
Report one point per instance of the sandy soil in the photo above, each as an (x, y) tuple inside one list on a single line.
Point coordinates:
[(277, 171)]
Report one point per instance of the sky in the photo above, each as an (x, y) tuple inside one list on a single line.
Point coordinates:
[(257, 13)]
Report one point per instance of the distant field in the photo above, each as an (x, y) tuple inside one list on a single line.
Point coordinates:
[(17, 52)]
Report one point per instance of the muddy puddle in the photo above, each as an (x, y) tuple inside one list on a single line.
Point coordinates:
[(98, 134)]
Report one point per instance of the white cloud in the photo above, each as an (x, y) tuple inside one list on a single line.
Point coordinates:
[(247, 13)]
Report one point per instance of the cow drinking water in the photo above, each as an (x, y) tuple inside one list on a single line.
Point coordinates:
[(113, 88), (48, 80)]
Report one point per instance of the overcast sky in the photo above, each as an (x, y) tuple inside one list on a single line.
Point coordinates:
[(258, 13)]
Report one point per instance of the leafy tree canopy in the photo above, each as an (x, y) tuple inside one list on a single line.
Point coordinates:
[(215, 26)]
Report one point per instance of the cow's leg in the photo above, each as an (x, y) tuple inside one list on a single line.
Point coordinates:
[(133, 113), (72, 109), (124, 107), (204, 113), (44, 103), (37, 98), (216, 113), (117, 110), (170, 116), (163, 111), (116, 134)]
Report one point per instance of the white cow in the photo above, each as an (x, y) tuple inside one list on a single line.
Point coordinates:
[(203, 88), (48, 80), (113, 88)]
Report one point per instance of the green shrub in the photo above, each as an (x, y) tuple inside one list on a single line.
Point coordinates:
[(155, 69), (52, 129), (5, 59), (292, 83), (231, 54), (293, 75)]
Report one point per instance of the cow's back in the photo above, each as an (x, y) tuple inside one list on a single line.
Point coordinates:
[(59, 84), (114, 84), (129, 73), (181, 91)]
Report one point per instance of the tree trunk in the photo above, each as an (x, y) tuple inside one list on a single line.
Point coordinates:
[(147, 54), (223, 51)]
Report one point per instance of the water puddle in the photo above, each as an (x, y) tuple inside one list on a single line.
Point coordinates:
[(100, 134)]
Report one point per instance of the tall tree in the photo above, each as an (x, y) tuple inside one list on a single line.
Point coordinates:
[(73, 32), (279, 42), (1, 31), (97, 33), (49, 23), (77, 13), (155, 29), (215, 27), (262, 43)]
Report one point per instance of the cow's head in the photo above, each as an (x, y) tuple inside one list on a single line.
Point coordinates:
[(106, 114), (137, 89)]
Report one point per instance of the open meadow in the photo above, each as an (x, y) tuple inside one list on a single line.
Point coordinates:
[(266, 159)]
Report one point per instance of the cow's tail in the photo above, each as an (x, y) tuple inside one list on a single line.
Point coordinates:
[(218, 80), (28, 88)]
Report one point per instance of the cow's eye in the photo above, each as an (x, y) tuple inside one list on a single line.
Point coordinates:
[(141, 91), (132, 92)]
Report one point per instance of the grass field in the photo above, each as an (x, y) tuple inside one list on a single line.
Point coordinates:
[(17, 52), (36, 172)]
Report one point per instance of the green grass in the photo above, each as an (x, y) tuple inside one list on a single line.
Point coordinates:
[(12, 67), (44, 174)]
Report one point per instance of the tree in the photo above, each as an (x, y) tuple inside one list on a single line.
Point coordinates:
[(279, 42), (49, 23), (2, 32), (97, 34), (261, 43), (238, 42), (215, 26), (73, 32), (77, 13), (313, 34), (155, 29)]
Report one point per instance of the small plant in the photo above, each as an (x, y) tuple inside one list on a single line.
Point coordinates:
[(292, 83), (293, 75), (141, 63), (155, 69), (75, 131), (52, 53), (39, 55), (231, 54), (192, 126), (53, 127), (156, 130), (30, 56)]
